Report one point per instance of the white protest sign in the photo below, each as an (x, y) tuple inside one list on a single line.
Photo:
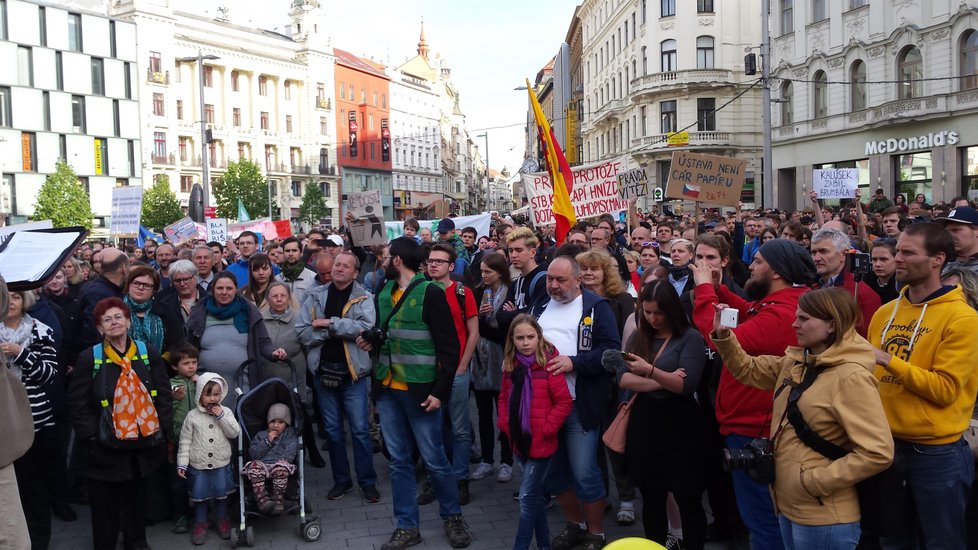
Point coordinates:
[(595, 191), (127, 205), (362, 205), (633, 184), (181, 231), (480, 222), (367, 229), (217, 230), (835, 183)]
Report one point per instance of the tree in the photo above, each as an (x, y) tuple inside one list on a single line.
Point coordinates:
[(242, 180), (63, 200), (313, 207), (160, 204)]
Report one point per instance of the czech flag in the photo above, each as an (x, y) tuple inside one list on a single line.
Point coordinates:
[(559, 170)]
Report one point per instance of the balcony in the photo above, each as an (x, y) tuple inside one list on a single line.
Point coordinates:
[(157, 77), (165, 160), (691, 80), (324, 103), (697, 140), (301, 169), (610, 112)]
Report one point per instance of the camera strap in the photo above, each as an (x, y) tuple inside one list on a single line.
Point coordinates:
[(805, 433), (397, 306)]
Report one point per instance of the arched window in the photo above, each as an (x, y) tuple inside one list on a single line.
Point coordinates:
[(857, 87), (820, 93), (787, 104), (704, 52), (669, 62), (910, 70), (968, 66), (614, 88), (645, 58)]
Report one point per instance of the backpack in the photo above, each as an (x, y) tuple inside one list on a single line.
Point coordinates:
[(105, 433)]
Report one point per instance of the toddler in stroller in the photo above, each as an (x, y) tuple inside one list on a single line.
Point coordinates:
[(273, 453)]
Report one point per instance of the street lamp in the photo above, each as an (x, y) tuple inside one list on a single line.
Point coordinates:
[(205, 176), (488, 197)]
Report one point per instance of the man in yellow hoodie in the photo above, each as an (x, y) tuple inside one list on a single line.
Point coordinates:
[(925, 352)]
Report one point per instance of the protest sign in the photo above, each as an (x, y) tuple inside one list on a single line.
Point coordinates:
[(181, 231), (127, 205), (217, 230), (633, 184), (480, 222), (367, 228), (595, 191), (835, 183), (361, 205), (283, 228), (706, 178), (257, 227)]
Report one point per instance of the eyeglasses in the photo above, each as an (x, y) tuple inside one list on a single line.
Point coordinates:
[(653, 244), (182, 280), (142, 285), (438, 262)]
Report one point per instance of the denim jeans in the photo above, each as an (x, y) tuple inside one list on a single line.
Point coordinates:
[(838, 536), (755, 505), (400, 417), (575, 465), (533, 515), (939, 480), (349, 401), (458, 429)]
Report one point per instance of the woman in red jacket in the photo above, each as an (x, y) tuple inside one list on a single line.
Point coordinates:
[(533, 405)]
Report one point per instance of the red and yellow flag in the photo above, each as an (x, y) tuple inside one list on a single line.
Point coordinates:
[(559, 170)]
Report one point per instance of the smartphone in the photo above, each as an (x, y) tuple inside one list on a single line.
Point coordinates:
[(729, 317), (627, 356)]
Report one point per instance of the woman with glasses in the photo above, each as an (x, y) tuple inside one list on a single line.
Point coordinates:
[(184, 292), (152, 322)]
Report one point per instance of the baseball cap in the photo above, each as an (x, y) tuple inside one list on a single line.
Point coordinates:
[(334, 240), (961, 214), (446, 225)]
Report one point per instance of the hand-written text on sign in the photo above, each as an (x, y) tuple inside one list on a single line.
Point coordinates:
[(595, 191), (835, 183), (706, 178), (362, 205), (633, 184)]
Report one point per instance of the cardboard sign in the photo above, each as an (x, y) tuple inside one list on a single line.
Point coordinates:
[(595, 191), (127, 206), (217, 230), (706, 178), (633, 184), (835, 183), (368, 227), (362, 205), (181, 231)]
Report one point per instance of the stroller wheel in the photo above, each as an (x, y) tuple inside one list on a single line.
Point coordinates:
[(234, 537), (249, 537), (311, 531)]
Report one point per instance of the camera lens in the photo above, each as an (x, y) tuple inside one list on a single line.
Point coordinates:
[(738, 459)]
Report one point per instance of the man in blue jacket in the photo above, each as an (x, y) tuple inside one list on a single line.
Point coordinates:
[(574, 475)]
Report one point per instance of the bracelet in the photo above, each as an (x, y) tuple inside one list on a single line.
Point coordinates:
[(651, 372)]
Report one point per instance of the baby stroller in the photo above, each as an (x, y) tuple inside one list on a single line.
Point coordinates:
[(252, 408)]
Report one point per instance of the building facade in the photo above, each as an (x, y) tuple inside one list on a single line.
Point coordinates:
[(890, 88), (69, 91)]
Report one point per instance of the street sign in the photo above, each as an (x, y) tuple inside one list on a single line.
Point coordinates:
[(678, 139), (210, 212), (658, 195)]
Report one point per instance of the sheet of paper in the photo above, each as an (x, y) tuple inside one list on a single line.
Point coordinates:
[(29, 255)]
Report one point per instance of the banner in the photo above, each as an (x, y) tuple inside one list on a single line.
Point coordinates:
[(217, 230), (353, 134), (706, 178), (127, 206), (480, 222), (283, 229), (595, 191), (385, 141), (835, 183), (181, 231)]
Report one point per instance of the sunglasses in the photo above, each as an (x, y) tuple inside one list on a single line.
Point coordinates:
[(653, 244)]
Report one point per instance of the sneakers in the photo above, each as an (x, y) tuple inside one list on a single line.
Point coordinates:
[(402, 538), (224, 528), (181, 525), (427, 495), (593, 542), (626, 513), (370, 494), (456, 529), (482, 470), (570, 537), (674, 543), (463, 492), (199, 535), (338, 491), (505, 473)]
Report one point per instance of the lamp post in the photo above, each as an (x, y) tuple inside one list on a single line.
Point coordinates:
[(768, 195), (488, 177), (205, 167)]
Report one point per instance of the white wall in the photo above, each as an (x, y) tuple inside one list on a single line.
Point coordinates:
[(118, 158), (114, 78), (81, 154), (23, 25), (77, 73), (95, 36), (61, 112), (47, 152), (27, 109), (98, 116), (45, 75), (8, 60)]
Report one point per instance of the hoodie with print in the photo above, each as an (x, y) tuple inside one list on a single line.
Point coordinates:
[(205, 439), (928, 388)]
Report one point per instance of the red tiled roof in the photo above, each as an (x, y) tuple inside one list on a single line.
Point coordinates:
[(347, 59)]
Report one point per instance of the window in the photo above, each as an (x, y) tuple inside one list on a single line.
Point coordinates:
[(158, 104), (212, 154), (288, 123), (375, 99), (668, 7), (853, 4), (324, 188), (208, 76), (78, 114), (645, 61), (5, 107), (787, 104), (669, 63), (243, 149), (182, 144), (383, 101), (910, 69), (324, 166), (644, 120), (116, 119), (46, 110), (372, 150), (262, 85), (209, 113), (288, 90), (704, 52), (42, 23), (235, 84), (25, 66), (704, 6), (787, 16), (74, 32), (819, 10), (28, 145), (969, 60), (264, 120), (914, 175), (98, 76), (643, 11), (101, 156), (320, 92), (3, 20), (857, 88), (126, 77), (323, 126), (236, 117), (186, 183), (820, 92), (363, 96), (155, 62), (667, 110), (131, 157), (159, 147), (179, 109), (59, 73), (296, 188), (342, 91), (706, 118)]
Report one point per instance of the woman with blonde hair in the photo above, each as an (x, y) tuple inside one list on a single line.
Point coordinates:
[(73, 271), (599, 274), (828, 381), (634, 261)]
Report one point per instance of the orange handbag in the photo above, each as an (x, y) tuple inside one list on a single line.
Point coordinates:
[(614, 437)]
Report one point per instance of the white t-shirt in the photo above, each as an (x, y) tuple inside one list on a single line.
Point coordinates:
[(560, 323)]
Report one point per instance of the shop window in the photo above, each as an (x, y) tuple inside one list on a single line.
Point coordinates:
[(969, 171), (968, 66), (914, 175), (910, 71)]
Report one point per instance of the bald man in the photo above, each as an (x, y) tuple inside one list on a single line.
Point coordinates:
[(324, 269), (110, 282)]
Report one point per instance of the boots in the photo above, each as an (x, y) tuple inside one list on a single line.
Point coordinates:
[(278, 494), (265, 505)]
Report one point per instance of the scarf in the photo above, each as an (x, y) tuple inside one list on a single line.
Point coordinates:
[(22, 335), (238, 309), (149, 327), (133, 412), (519, 409), (679, 272), (291, 272)]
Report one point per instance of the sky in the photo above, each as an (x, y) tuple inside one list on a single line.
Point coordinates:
[(491, 47)]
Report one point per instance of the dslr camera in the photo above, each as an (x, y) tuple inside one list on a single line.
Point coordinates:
[(374, 336), (757, 457), (858, 263)]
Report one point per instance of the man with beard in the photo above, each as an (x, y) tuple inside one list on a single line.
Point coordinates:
[(294, 270), (165, 255), (779, 270)]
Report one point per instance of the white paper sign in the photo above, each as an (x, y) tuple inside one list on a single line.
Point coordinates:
[(127, 206), (367, 229), (363, 205), (217, 230), (835, 183)]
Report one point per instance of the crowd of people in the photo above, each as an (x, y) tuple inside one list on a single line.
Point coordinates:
[(791, 380)]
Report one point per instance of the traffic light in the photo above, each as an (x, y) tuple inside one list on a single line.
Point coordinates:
[(750, 64)]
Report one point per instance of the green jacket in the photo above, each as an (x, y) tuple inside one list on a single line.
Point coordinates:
[(182, 406), (409, 351)]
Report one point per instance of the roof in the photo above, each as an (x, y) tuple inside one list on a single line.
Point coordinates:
[(351, 61)]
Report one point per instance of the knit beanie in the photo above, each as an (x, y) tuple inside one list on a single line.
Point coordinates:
[(790, 260), (280, 411)]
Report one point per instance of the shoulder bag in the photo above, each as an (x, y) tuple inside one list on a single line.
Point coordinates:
[(614, 437)]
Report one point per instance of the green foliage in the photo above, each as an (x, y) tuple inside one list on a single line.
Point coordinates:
[(313, 207), (63, 200), (243, 180), (160, 205)]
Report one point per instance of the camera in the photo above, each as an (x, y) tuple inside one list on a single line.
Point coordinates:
[(374, 336), (757, 457), (858, 263)]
